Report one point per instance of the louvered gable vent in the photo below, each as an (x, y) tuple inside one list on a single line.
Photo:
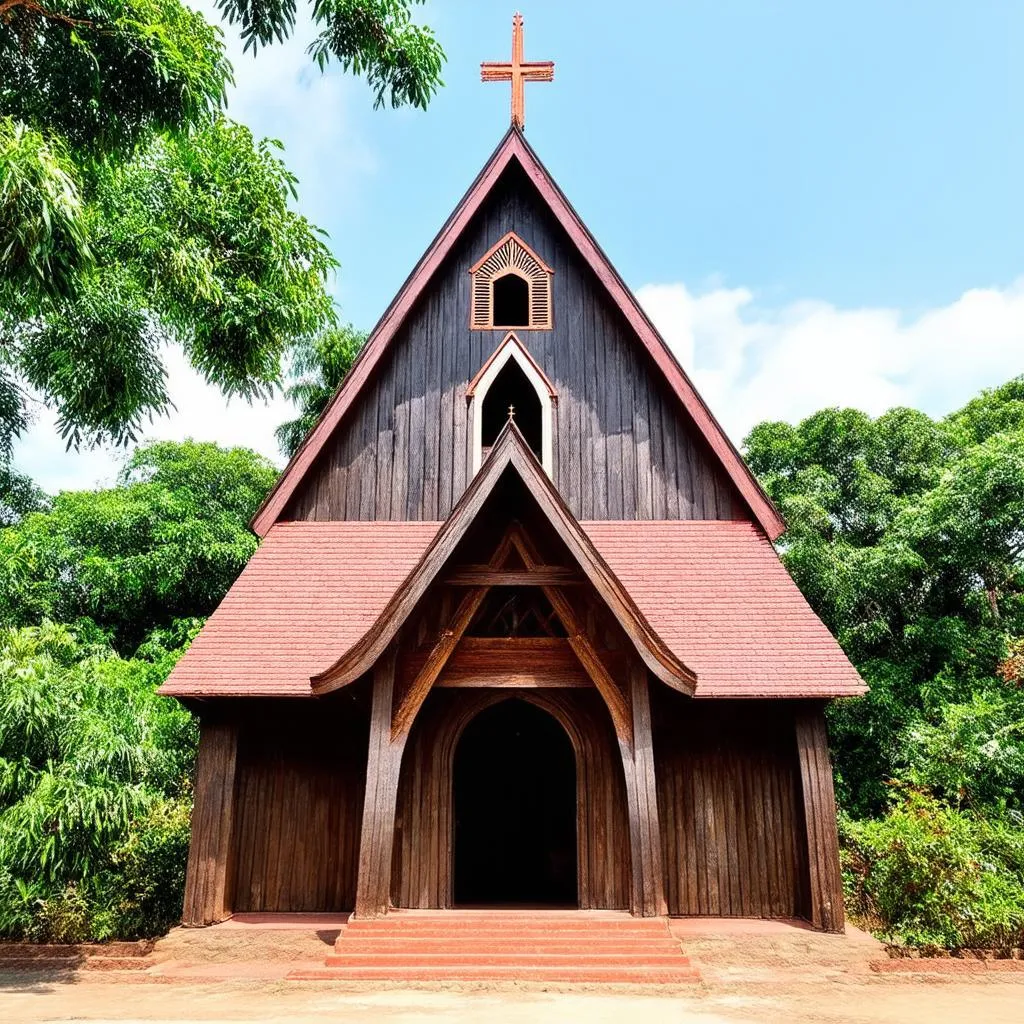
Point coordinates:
[(511, 255)]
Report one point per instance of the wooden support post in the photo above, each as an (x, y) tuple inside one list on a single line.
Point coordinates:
[(384, 762), (819, 805), (208, 875), (648, 886)]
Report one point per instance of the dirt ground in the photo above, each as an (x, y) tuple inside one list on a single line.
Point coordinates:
[(747, 978)]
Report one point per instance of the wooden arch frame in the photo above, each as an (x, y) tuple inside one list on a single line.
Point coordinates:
[(510, 451), (597, 772), (510, 255), (511, 348)]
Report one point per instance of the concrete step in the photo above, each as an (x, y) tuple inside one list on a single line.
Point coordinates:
[(509, 959), (451, 944), (617, 975), (500, 931)]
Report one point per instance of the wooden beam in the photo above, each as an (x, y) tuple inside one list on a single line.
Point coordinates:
[(543, 575), (208, 893), (509, 661), (645, 828), (819, 806), (440, 654), (384, 762), (591, 661)]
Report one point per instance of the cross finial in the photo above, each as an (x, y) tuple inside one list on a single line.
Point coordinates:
[(517, 72), (511, 413)]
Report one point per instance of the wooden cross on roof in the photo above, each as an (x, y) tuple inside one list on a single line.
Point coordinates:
[(517, 72)]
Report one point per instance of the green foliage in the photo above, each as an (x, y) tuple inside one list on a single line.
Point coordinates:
[(907, 537), (318, 367), (43, 230), (19, 496), (928, 875), (375, 39), (94, 784), (134, 215), (161, 547), (106, 74), (193, 242)]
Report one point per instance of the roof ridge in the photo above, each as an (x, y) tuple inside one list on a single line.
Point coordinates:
[(513, 146)]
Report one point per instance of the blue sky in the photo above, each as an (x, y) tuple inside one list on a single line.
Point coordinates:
[(817, 203)]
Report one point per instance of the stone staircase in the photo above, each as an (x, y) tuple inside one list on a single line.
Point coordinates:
[(506, 945)]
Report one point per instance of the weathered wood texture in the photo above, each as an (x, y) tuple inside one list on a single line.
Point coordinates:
[(647, 895), (729, 796), (384, 760), (301, 778), (422, 873), (825, 905), (623, 447), (208, 895)]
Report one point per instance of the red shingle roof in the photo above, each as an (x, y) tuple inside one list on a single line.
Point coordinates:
[(713, 590), (717, 594), (306, 596)]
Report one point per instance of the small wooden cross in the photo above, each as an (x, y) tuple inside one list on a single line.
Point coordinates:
[(511, 413), (517, 72)]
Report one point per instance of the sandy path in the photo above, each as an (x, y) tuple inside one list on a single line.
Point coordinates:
[(866, 1001)]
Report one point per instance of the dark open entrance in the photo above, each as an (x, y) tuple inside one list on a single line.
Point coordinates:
[(515, 809)]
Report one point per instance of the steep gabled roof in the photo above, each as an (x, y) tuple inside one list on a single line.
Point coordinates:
[(510, 451), (514, 147)]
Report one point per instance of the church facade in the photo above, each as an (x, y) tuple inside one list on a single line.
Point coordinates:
[(516, 634)]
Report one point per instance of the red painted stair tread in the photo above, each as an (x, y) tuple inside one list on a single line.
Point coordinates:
[(500, 945)]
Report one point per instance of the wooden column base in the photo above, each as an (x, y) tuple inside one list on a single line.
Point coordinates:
[(648, 885), (384, 762), (819, 804), (207, 880)]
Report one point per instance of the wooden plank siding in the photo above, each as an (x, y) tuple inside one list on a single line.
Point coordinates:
[(825, 897), (301, 780), (730, 804), (623, 446)]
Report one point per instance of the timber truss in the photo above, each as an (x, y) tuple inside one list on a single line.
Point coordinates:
[(415, 645)]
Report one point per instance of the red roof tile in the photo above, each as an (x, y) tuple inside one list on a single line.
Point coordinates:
[(306, 596), (713, 590), (718, 596)]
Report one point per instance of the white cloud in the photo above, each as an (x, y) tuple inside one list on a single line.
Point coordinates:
[(752, 364), (201, 412)]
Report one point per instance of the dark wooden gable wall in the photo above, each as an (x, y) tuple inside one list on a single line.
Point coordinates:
[(623, 448)]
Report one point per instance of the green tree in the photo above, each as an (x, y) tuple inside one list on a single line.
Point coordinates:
[(319, 365), (905, 534), (94, 787), (133, 214), (163, 545), (377, 39)]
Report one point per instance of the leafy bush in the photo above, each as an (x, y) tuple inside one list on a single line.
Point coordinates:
[(931, 876), (94, 786)]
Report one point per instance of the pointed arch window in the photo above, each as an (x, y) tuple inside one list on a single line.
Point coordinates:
[(511, 378), (511, 287)]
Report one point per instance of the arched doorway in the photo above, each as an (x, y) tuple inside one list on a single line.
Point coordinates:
[(514, 794)]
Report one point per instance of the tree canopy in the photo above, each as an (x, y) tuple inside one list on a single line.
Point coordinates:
[(376, 39), (906, 534), (134, 215), (319, 365), (163, 545)]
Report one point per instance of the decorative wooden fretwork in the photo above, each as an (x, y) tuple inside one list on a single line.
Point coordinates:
[(511, 255)]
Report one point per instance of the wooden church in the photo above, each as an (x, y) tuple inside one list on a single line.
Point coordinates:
[(516, 634)]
